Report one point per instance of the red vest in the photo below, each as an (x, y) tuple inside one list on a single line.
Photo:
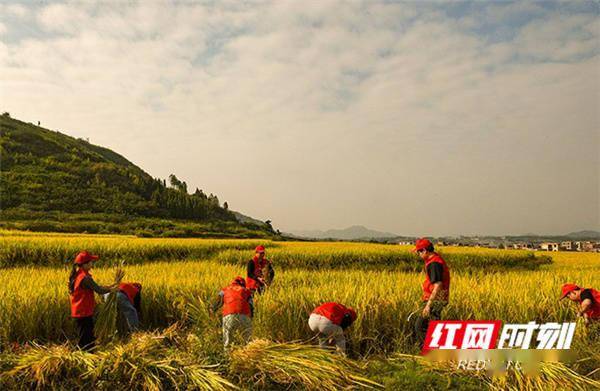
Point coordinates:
[(236, 300), (251, 283), (83, 302), (130, 289), (444, 293), (333, 311), (593, 311)]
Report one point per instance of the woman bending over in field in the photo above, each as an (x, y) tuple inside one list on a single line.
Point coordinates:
[(81, 289)]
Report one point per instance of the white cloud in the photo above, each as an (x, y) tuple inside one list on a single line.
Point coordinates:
[(343, 112)]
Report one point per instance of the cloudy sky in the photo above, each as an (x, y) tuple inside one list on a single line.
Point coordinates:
[(415, 118)]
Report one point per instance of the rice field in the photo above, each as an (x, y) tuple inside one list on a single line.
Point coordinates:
[(381, 281)]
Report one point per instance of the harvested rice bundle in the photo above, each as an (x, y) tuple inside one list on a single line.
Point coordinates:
[(106, 323), (263, 362), (48, 366), (146, 362)]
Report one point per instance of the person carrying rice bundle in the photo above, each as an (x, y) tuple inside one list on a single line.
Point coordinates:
[(129, 300), (83, 303)]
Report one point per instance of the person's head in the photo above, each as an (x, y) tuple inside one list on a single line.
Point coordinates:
[(260, 252), (571, 292), (239, 281), (83, 260), (424, 248), (352, 313)]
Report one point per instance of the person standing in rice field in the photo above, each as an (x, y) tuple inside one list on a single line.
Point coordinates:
[(436, 287), (260, 271), (238, 309), (83, 303)]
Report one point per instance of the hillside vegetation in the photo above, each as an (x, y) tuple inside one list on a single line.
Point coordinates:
[(51, 181)]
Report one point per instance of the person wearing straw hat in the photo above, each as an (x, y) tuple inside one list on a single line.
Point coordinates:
[(260, 272), (238, 309), (436, 287), (588, 300), (83, 303), (329, 320)]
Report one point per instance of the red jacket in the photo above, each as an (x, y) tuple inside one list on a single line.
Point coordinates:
[(593, 311), (444, 293), (131, 289), (236, 300), (334, 312), (83, 301)]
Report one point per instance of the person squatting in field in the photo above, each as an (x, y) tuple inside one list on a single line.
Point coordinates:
[(588, 300), (238, 309), (436, 287), (83, 303), (260, 271), (129, 300), (329, 320)]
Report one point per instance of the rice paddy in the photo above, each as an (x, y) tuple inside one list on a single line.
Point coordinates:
[(181, 277)]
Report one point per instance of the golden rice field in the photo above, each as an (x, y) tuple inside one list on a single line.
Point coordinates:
[(182, 276)]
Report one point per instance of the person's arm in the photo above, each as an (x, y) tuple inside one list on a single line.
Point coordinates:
[(89, 283), (218, 303), (251, 303), (435, 273), (585, 304)]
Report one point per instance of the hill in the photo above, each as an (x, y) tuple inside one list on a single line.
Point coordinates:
[(51, 181), (355, 232)]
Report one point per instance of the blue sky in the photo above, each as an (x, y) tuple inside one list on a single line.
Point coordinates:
[(411, 117)]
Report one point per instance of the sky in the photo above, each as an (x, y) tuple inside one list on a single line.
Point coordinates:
[(417, 118)]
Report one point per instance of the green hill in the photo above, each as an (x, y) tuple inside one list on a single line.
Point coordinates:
[(51, 181)]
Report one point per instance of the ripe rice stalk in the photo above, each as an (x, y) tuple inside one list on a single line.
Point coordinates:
[(106, 322), (48, 366), (147, 362), (295, 364)]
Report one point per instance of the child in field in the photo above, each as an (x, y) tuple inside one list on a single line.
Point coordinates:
[(83, 303)]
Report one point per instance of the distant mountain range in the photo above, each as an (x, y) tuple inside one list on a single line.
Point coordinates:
[(584, 235), (351, 233)]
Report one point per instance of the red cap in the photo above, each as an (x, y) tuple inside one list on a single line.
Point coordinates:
[(568, 288), (239, 281), (420, 244), (85, 257), (260, 249)]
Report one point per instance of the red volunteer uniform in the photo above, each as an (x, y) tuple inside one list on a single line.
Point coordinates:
[(444, 292), (83, 301), (334, 312), (236, 300)]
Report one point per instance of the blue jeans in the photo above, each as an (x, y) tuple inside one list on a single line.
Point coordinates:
[(128, 311)]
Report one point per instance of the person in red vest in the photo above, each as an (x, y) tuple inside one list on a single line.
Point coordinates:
[(329, 320), (436, 287), (238, 310), (588, 300), (83, 303), (260, 272), (129, 300)]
